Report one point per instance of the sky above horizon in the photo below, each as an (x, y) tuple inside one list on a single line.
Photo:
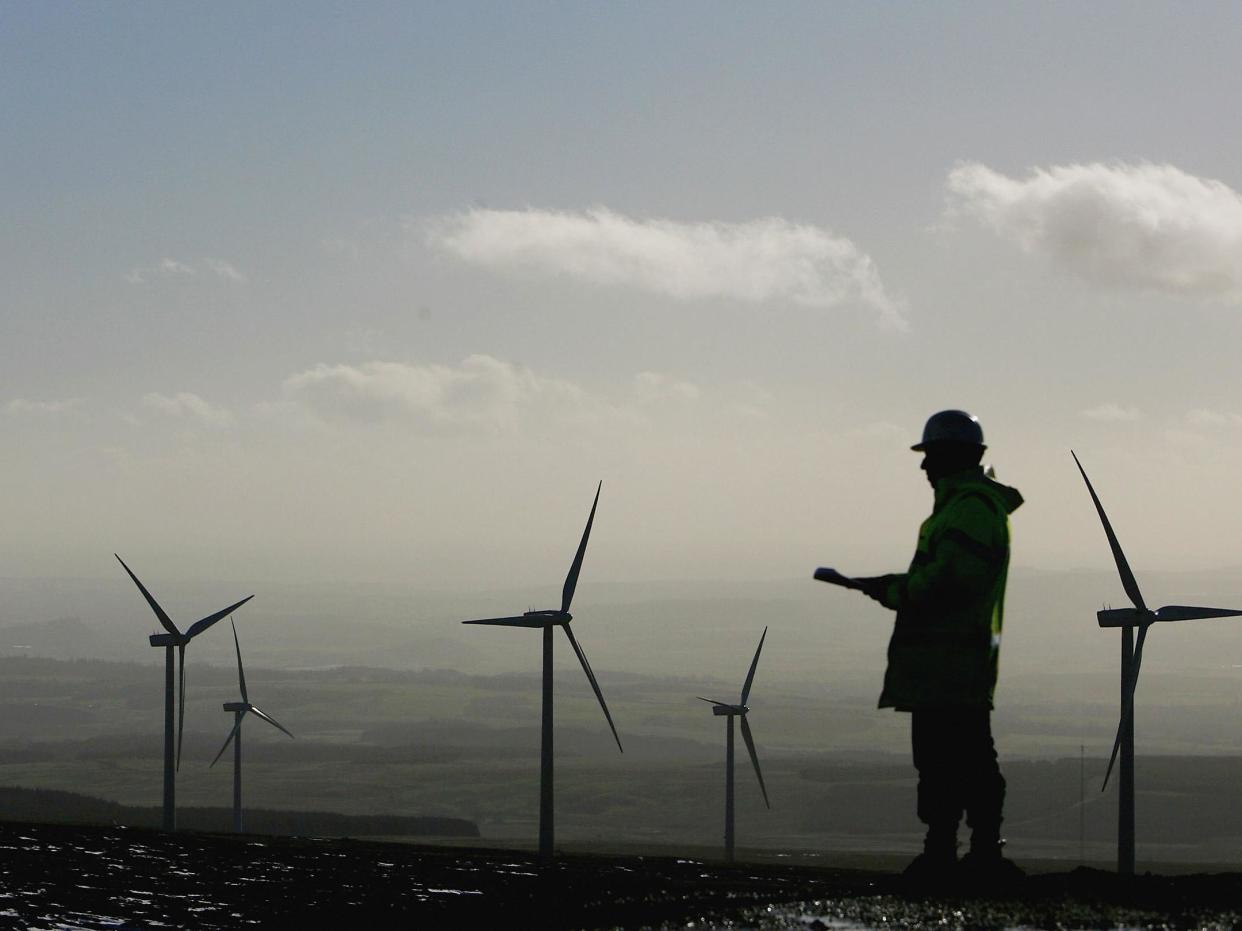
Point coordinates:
[(380, 292)]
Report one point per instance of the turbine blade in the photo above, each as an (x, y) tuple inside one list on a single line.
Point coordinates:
[(165, 620), (1188, 613), (241, 675), (180, 702), (586, 667), (228, 740), (1123, 567), (750, 676), (199, 626), (1138, 658), (712, 701), (519, 621), (1113, 759), (571, 580), (754, 758), (1128, 709), (269, 719)]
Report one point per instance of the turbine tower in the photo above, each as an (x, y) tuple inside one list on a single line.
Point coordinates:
[(174, 638), (240, 709), (1127, 619), (546, 620), (738, 711)]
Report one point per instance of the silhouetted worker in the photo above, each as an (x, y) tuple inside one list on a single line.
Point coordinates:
[(942, 658)]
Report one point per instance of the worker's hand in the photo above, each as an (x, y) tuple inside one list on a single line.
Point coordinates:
[(876, 586)]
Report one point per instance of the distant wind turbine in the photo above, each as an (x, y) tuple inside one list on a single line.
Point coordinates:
[(240, 709), (1127, 619), (740, 710), (174, 638), (546, 620)]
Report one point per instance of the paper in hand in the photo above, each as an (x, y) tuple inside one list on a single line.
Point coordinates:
[(833, 577)]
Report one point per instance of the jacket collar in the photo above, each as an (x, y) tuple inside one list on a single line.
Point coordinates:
[(974, 479)]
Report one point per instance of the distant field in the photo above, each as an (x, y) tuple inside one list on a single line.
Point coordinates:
[(441, 744), (56, 807)]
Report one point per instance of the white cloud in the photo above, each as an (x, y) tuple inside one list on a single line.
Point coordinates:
[(225, 270), (188, 406), (1202, 417), (173, 267), (756, 261), (654, 388), (481, 392), (25, 406), (755, 402), (169, 269), (1113, 413), (1133, 225)]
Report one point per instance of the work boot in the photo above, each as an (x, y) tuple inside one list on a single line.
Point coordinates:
[(936, 866), (986, 869)]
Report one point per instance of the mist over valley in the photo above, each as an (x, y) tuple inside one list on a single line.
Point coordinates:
[(398, 708)]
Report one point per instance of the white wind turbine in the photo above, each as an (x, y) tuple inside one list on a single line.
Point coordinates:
[(547, 620), (240, 709), (740, 710), (1128, 619), (174, 638)]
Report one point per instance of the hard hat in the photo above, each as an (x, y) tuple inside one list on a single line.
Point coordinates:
[(951, 427)]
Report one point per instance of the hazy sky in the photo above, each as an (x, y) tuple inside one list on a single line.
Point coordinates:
[(380, 291)]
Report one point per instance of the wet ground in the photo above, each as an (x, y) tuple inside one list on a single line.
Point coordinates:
[(56, 876)]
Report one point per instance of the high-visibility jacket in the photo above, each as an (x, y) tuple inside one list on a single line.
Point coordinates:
[(950, 603)]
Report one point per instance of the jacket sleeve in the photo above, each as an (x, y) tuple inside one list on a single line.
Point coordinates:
[(963, 564)]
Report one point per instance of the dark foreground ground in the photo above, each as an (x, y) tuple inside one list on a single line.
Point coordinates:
[(58, 876)]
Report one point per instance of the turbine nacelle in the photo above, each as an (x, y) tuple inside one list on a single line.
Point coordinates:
[(169, 640), (1124, 617), (720, 708)]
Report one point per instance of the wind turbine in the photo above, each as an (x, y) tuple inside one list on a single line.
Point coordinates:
[(738, 711), (174, 638), (1127, 619), (546, 620), (240, 709)]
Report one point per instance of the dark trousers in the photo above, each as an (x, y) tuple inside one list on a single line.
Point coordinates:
[(956, 760)]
